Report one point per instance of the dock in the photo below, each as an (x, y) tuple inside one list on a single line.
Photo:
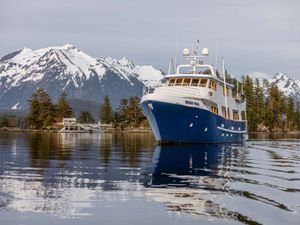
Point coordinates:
[(70, 125)]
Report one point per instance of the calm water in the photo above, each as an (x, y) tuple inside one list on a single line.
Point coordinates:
[(127, 179)]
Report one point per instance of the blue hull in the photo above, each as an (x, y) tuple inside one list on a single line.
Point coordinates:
[(172, 123)]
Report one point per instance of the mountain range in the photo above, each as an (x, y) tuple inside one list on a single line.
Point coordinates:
[(68, 69), (86, 79), (289, 86)]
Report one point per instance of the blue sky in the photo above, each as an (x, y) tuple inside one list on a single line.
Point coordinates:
[(257, 35)]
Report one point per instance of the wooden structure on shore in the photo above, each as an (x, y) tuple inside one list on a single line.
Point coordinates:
[(70, 125)]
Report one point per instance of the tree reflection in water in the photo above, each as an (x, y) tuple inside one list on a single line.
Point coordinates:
[(76, 175)]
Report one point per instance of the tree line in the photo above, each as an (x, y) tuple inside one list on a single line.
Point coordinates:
[(268, 108), (43, 113)]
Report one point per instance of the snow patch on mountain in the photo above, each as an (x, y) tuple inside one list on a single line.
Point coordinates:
[(66, 68), (289, 86), (27, 66)]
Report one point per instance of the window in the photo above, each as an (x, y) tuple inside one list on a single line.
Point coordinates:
[(178, 82), (226, 115), (171, 82), (227, 90), (214, 109), (212, 85), (195, 82), (186, 82), (243, 113), (235, 115), (195, 70), (203, 82), (186, 70), (223, 111)]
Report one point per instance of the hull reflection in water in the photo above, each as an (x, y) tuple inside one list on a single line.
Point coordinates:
[(87, 178), (188, 180), (180, 165)]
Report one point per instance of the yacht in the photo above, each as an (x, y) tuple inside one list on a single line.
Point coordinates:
[(196, 105)]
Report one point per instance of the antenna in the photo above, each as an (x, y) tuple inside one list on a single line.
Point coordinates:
[(237, 89), (216, 56), (176, 49)]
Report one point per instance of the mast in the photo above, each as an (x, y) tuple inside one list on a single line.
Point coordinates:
[(176, 49), (242, 93), (216, 57), (225, 89)]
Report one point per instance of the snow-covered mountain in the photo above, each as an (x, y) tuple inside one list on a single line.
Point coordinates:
[(66, 68), (288, 85)]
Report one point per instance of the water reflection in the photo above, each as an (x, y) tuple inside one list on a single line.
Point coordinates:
[(180, 165), (86, 175), (187, 179)]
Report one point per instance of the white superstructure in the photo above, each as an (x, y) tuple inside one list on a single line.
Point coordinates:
[(197, 85)]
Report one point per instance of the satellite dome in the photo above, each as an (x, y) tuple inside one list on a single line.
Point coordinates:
[(186, 52), (205, 52)]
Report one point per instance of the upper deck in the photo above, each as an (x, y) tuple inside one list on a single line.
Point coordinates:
[(197, 71), (197, 85)]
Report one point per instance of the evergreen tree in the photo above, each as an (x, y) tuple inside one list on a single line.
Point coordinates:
[(290, 113), (258, 102), (251, 117), (106, 113), (41, 112), (4, 122), (135, 112), (266, 84), (85, 117), (63, 109), (297, 116), (34, 111), (121, 115), (129, 112), (274, 108)]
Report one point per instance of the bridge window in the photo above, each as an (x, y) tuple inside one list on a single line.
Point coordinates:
[(178, 81), (195, 82), (171, 82), (186, 82), (203, 82)]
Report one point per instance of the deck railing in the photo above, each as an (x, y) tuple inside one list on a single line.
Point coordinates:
[(149, 89)]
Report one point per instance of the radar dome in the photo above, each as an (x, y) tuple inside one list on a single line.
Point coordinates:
[(186, 52), (205, 52)]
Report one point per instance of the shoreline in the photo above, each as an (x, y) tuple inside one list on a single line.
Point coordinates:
[(274, 132), (107, 130), (129, 130)]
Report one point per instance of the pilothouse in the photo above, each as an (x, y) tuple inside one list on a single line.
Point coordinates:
[(196, 105)]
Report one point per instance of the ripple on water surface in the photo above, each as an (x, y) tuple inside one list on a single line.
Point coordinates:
[(127, 179)]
